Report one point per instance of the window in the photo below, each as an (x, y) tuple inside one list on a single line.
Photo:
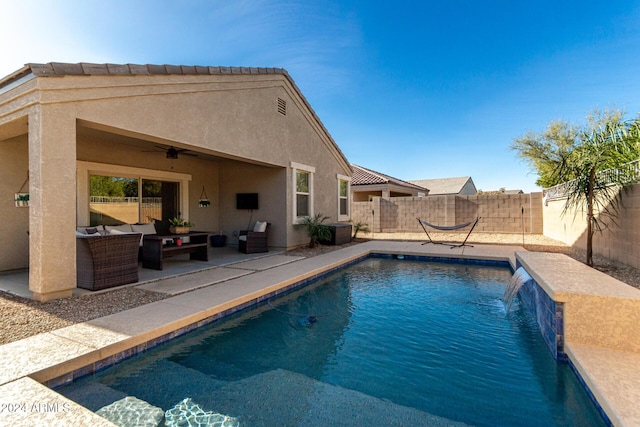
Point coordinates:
[(303, 190), (343, 197), (302, 193)]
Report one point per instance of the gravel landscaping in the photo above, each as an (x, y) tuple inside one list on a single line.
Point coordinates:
[(22, 317)]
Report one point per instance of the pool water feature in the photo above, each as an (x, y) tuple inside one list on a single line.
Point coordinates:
[(519, 278), (404, 342)]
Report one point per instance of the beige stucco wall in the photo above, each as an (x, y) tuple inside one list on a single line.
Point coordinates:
[(14, 241), (620, 242), (232, 118), (500, 213), (230, 115), (270, 184)]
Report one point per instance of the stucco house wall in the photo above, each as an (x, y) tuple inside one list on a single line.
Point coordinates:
[(62, 122), (14, 240)]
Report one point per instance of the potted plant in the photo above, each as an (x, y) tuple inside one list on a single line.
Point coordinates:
[(204, 201), (180, 225), (22, 199)]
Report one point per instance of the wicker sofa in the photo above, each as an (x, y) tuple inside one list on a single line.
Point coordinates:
[(106, 261)]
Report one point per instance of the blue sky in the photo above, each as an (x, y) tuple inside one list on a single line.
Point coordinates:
[(414, 89)]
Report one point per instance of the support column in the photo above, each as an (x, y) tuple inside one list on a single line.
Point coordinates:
[(52, 203)]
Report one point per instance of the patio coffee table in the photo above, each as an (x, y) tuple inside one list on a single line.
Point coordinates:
[(154, 251)]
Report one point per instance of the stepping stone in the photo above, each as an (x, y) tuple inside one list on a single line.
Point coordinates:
[(187, 413)]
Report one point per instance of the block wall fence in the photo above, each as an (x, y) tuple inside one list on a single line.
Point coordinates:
[(619, 242), (512, 213), (502, 213)]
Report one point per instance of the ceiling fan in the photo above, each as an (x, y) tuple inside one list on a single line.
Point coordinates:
[(172, 152)]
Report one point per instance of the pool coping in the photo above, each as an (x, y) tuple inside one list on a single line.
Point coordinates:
[(75, 350)]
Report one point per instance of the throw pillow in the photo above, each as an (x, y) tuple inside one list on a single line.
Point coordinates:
[(260, 227)]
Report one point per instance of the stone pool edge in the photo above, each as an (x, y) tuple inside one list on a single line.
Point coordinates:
[(598, 333)]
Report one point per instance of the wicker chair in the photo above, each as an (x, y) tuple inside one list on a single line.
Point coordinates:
[(106, 261), (254, 241)]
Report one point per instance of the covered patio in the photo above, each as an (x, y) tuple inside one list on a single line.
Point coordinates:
[(172, 135)]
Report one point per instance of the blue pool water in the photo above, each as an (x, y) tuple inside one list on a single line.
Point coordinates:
[(384, 342)]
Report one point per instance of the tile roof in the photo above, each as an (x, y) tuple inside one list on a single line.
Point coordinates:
[(87, 69), (443, 185), (363, 176)]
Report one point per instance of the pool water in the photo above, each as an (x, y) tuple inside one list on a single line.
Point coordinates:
[(384, 342)]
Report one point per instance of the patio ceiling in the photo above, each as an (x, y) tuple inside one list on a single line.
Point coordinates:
[(14, 128), (148, 144)]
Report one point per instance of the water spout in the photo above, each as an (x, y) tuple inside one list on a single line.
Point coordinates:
[(519, 278)]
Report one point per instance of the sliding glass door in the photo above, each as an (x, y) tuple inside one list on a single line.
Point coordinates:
[(159, 203), (116, 200)]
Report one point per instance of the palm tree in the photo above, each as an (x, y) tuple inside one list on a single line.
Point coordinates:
[(597, 163), (315, 230)]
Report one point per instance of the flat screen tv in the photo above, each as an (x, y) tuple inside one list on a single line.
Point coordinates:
[(247, 201)]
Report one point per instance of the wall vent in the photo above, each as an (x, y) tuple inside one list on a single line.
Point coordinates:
[(282, 106)]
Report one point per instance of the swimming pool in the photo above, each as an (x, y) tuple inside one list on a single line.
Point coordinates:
[(383, 342)]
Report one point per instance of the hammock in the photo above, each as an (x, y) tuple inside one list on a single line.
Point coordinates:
[(473, 224)]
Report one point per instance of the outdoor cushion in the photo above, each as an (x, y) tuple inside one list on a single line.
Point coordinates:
[(116, 231), (260, 227), (144, 228), (124, 227), (81, 234), (243, 238)]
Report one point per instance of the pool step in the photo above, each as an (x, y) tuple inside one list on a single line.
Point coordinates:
[(165, 383), (214, 368), (281, 397), (91, 395), (277, 397)]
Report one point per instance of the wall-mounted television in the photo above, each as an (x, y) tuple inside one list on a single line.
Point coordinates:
[(247, 201)]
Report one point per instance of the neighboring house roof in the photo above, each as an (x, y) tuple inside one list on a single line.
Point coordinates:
[(441, 186), (58, 69), (364, 176)]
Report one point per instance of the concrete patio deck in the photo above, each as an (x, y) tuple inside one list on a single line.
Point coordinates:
[(17, 282), (63, 353)]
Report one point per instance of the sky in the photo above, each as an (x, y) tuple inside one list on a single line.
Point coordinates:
[(413, 89)]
